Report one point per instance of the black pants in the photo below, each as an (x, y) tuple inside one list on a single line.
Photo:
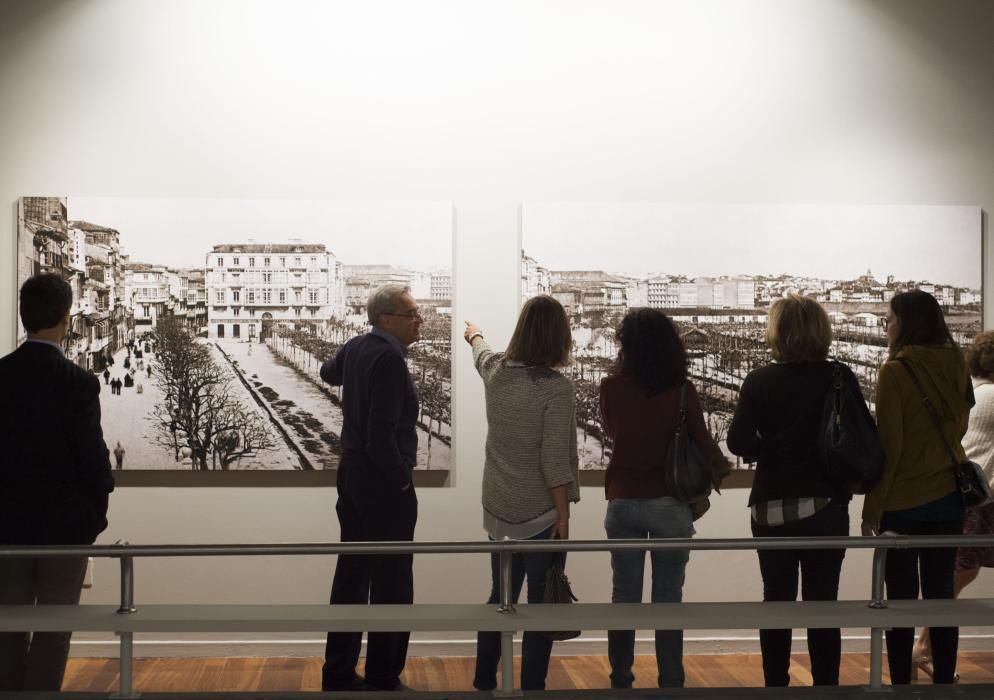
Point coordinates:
[(37, 661), (935, 569), (819, 578), (363, 579)]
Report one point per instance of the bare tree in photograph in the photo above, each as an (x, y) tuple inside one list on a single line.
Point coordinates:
[(199, 412)]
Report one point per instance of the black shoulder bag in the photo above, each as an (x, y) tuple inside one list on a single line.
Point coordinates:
[(557, 590), (849, 451), (970, 479), (689, 474)]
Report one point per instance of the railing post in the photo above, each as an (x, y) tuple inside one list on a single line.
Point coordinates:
[(127, 586), (126, 685), (877, 602), (506, 605), (507, 689)]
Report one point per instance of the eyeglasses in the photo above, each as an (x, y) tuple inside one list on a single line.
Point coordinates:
[(885, 321), (414, 315)]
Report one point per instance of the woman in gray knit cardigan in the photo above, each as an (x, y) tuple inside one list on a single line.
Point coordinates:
[(530, 474)]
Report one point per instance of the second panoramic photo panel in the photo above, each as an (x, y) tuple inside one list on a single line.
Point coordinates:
[(715, 270)]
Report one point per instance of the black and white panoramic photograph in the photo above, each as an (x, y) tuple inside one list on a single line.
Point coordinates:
[(207, 320), (715, 270)]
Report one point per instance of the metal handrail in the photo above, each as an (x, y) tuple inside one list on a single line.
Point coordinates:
[(126, 553), (117, 551)]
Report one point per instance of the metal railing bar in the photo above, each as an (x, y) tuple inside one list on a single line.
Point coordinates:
[(471, 547)]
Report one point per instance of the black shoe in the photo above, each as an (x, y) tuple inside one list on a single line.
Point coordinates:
[(397, 688), (354, 684)]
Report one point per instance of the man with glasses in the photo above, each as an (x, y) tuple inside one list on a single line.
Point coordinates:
[(376, 499)]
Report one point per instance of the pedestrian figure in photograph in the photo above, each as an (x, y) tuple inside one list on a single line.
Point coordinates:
[(979, 446), (106, 376), (639, 402), (148, 371), (917, 494), (777, 421), (530, 475), (54, 479), (376, 498), (119, 455)]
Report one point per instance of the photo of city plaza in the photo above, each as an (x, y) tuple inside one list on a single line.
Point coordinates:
[(715, 270), (207, 320)]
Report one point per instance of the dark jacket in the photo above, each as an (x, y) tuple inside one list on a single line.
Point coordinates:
[(777, 421), (55, 473), (379, 411)]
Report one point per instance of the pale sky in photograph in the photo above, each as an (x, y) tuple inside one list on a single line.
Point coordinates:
[(939, 244), (180, 232)]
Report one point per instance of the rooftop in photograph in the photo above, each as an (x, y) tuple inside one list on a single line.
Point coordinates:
[(91, 228), (270, 248)]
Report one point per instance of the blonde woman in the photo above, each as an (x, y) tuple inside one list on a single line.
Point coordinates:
[(776, 423)]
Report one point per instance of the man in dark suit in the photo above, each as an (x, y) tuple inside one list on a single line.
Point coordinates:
[(376, 499), (54, 479)]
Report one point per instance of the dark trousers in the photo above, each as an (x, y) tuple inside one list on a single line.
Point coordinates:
[(365, 579), (37, 661), (819, 577), (536, 648), (935, 570)]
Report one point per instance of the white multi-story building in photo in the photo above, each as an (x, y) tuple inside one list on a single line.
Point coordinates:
[(441, 286), (252, 286), (146, 294), (534, 278), (360, 280)]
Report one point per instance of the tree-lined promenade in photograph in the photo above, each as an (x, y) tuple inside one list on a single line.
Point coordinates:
[(717, 284), (208, 342)]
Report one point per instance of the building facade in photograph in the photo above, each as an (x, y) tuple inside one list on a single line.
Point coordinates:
[(250, 287), (102, 322), (534, 278), (360, 280)]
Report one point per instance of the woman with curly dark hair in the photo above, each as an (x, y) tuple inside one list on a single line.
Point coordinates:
[(979, 445), (639, 404)]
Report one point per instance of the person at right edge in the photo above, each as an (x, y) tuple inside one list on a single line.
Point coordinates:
[(777, 421), (917, 494)]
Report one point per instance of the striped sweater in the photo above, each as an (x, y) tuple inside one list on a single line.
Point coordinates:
[(531, 436)]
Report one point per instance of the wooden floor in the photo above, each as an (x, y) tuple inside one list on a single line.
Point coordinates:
[(456, 673)]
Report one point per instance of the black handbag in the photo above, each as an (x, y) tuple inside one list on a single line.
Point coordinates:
[(849, 451), (688, 472), (557, 590), (970, 479)]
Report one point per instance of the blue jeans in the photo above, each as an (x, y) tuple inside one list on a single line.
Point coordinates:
[(641, 518), (536, 648)]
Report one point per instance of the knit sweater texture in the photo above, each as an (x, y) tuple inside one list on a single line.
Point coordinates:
[(531, 436)]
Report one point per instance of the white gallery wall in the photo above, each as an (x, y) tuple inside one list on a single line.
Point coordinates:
[(486, 105)]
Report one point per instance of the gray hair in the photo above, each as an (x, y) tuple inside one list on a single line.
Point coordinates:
[(383, 300)]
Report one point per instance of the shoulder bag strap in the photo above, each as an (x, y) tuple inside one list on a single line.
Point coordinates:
[(936, 421)]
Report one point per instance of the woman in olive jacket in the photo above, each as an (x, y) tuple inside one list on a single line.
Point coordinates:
[(917, 494)]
